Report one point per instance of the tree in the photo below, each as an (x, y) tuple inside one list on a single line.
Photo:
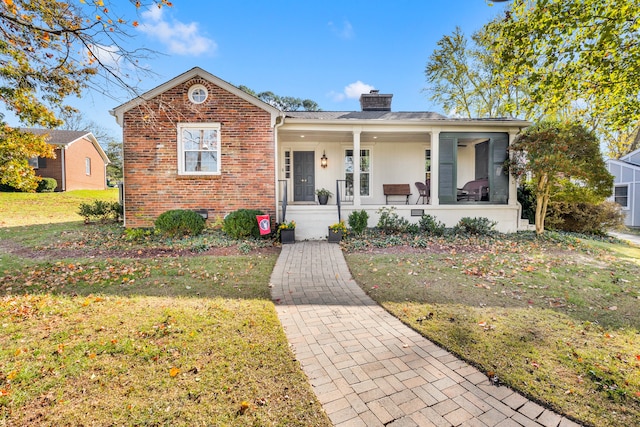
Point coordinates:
[(49, 50), (284, 103), (553, 151), (16, 148), (114, 168), (574, 55), (464, 77), (621, 142)]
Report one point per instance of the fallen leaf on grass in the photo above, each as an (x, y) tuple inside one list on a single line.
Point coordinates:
[(244, 405), (174, 371)]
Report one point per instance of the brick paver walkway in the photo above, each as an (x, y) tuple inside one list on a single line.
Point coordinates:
[(367, 368)]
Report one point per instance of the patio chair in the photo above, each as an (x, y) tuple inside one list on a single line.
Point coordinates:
[(423, 191), (475, 191)]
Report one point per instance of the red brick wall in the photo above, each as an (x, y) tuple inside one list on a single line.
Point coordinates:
[(53, 169), (75, 171), (152, 183)]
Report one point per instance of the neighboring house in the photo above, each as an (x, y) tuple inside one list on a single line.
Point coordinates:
[(198, 142), (626, 185), (80, 162)]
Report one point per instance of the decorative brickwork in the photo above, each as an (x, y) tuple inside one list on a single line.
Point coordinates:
[(152, 183)]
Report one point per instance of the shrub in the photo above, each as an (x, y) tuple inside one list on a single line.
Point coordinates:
[(587, 218), (47, 185), (100, 210), (242, 223), (358, 221), (430, 225), (478, 226), (391, 222), (180, 222), (137, 234)]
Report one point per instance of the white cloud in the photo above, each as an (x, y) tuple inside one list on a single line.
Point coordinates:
[(351, 91), (178, 37), (344, 32), (109, 56), (354, 90)]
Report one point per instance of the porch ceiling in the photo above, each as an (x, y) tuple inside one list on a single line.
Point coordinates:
[(366, 137)]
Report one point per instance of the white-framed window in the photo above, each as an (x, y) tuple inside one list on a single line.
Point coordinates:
[(365, 171), (621, 195), (199, 148), (198, 94), (87, 166)]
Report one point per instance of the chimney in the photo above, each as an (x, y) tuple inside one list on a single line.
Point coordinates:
[(374, 101)]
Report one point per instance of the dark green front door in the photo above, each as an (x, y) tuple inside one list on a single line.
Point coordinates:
[(304, 182)]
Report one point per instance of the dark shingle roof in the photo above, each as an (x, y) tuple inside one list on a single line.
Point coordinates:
[(363, 115), (58, 136)]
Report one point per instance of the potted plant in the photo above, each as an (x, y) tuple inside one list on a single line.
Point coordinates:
[(287, 231), (336, 231), (323, 195)]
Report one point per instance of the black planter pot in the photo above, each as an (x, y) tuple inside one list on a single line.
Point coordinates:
[(323, 199), (288, 235), (334, 236)]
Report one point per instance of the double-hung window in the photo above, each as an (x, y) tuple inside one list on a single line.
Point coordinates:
[(621, 195), (199, 149), (365, 171)]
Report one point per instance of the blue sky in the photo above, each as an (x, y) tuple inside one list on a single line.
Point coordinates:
[(328, 51)]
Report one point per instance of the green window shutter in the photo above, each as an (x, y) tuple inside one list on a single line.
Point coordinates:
[(447, 168), (499, 174)]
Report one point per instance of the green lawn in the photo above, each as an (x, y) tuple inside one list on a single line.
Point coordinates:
[(46, 208), (98, 329)]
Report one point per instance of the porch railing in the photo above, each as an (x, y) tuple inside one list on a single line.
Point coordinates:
[(344, 193), (283, 197)]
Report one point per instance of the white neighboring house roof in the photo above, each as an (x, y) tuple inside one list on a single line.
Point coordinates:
[(64, 138), (119, 111), (627, 158)]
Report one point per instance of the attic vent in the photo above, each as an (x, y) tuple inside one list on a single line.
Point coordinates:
[(375, 101)]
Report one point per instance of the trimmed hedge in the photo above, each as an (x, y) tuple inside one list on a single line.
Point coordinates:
[(47, 185), (242, 223), (180, 222)]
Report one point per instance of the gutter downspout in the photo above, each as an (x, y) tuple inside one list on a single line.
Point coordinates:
[(63, 168), (277, 163)]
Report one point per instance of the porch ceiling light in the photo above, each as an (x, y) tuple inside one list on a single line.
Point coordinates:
[(323, 160)]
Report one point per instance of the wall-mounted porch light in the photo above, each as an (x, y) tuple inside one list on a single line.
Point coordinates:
[(323, 160)]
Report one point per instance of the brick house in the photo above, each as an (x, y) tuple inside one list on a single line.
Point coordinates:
[(80, 162), (198, 142)]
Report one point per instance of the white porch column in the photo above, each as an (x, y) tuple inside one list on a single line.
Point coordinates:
[(356, 165), (513, 185), (435, 166)]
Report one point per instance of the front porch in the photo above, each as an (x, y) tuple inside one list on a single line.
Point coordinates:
[(419, 163)]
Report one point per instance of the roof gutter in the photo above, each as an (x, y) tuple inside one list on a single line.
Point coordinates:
[(277, 124)]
